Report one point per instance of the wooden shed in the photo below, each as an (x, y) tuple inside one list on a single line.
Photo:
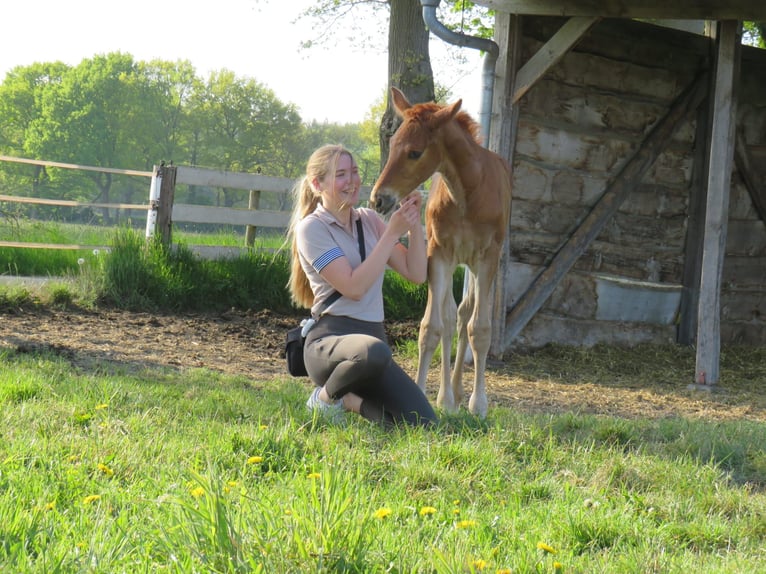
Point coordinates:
[(639, 156)]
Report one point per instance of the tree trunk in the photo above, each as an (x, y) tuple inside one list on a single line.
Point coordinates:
[(409, 64)]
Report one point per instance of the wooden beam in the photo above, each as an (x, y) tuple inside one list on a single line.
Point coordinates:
[(502, 140), (754, 182), (722, 128), (616, 192), (549, 54), (650, 9)]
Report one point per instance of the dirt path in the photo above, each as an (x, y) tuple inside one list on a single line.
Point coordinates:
[(250, 344)]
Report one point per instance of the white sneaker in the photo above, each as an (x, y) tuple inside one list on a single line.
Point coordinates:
[(331, 411)]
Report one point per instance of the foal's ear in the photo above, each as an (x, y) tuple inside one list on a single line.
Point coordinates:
[(445, 114), (400, 101)]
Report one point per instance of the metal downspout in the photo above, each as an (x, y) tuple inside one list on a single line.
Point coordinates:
[(491, 49)]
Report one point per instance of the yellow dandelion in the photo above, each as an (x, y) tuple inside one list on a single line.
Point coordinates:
[(232, 483), (263, 427), (105, 469), (197, 492), (288, 512), (91, 498), (504, 571), (314, 475), (455, 511), (51, 505), (558, 566), (74, 458), (102, 406), (254, 460), (479, 564), (381, 513), (456, 502), (427, 511), (546, 548), (466, 524)]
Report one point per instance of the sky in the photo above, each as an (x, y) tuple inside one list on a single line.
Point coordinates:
[(258, 39)]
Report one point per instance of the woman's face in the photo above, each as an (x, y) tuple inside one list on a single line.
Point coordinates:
[(342, 187)]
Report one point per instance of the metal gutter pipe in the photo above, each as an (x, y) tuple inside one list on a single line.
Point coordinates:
[(491, 49)]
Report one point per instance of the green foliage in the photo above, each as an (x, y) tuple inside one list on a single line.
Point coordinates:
[(139, 275)]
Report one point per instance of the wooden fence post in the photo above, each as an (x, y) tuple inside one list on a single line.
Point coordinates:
[(254, 202), (165, 207)]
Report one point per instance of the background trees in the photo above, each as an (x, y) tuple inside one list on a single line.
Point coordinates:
[(111, 111)]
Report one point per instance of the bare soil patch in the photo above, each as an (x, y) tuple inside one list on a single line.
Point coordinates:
[(647, 382)]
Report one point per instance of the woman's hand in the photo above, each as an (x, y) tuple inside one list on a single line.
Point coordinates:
[(407, 215)]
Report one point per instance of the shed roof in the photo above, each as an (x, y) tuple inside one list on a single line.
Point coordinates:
[(754, 10)]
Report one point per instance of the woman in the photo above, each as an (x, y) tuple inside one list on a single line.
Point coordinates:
[(346, 351)]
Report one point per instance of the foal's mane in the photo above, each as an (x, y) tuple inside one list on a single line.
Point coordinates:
[(421, 112)]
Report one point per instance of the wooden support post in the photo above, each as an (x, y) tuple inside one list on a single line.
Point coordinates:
[(722, 129), (165, 207), (607, 205), (502, 140), (253, 203)]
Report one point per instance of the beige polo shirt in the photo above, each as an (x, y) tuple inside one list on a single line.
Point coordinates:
[(321, 239)]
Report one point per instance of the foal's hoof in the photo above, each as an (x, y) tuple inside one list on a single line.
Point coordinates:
[(478, 406)]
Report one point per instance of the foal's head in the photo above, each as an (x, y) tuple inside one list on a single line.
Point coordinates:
[(414, 153)]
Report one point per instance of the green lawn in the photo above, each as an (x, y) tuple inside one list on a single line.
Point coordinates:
[(121, 469)]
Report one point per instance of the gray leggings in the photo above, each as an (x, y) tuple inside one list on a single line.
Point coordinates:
[(347, 355)]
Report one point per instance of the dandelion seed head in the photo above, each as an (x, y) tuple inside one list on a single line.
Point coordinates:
[(81, 261)]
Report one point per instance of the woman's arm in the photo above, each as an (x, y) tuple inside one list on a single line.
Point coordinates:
[(354, 283), (411, 262)]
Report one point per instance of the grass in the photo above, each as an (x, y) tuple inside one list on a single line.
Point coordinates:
[(130, 273), (105, 469)]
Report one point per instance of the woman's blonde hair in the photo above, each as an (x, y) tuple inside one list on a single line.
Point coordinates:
[(323, 162)]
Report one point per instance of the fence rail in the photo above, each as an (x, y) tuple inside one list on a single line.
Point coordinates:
[(251, 217)]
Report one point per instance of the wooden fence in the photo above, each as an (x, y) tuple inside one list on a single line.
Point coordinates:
[(162, 211)]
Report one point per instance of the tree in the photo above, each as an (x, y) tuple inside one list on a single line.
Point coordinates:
[(409, 60)]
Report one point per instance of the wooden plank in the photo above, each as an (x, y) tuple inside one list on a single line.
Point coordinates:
[(68, 203), (549, 54), (75, 166), (755, 184), (240, 180), (653, 9), (232, 180), (230, 216), (722, 128), (628, 178)]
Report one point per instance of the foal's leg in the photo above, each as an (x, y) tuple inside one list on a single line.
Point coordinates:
[(430, 326), (464, 312), (480, 334)]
